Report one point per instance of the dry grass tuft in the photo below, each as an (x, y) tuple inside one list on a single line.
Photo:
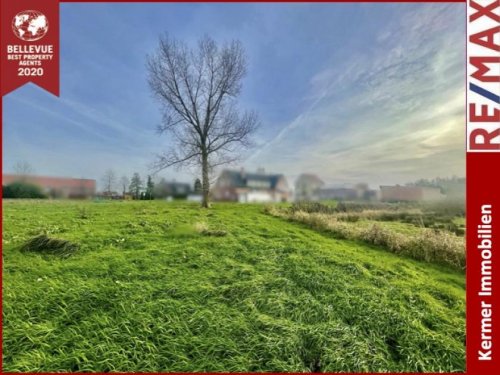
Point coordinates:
[(47, 245), (204, 229)]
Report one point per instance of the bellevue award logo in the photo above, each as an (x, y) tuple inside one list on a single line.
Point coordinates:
[(30, 25), (29, 45)]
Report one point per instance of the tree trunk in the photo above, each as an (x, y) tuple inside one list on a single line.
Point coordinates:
[(205, 181)]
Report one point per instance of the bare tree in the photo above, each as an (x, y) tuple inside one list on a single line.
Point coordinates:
[(109, 181), (124, 183), (136, 185), (197, 89), (23, 168)]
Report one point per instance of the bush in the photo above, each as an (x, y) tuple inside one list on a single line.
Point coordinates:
[(22, 190)]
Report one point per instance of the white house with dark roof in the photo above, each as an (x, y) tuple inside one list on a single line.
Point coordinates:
[(240, 186)]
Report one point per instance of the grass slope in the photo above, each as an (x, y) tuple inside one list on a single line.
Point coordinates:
[(146, 292)]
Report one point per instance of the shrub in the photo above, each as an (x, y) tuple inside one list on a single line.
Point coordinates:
[(22, 190)]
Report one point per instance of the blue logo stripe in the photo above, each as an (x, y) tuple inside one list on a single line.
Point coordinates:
[(485, 93)]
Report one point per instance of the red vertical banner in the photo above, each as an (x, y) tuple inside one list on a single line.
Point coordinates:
[(483, 187), (30, 44), (483, 248)]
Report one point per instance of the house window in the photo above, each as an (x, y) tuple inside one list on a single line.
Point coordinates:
[(259, 184)]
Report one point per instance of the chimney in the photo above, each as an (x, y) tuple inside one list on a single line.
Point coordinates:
[(261, 170), (242, 172)]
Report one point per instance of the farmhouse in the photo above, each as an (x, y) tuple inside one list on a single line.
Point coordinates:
[(239, 186), (399, 193), (56, 187)]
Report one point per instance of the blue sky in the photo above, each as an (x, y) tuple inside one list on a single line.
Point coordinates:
[(351, 92)]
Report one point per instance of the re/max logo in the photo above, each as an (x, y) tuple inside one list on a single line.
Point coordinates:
[(483, 76)]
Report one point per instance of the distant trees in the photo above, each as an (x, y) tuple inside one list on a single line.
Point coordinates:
[(124, 183), (198, 189), (109, 181), (22, 189), (23, 168), (307, 186), (197, 89), (149, 189), (454, 186), (136, 186)]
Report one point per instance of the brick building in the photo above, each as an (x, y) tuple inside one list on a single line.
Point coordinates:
[(56, 187), (399, 193)]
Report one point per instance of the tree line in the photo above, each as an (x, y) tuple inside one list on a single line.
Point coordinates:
[(133, 187), (136, 188)]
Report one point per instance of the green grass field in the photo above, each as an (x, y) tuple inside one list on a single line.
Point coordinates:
[(158, 286)]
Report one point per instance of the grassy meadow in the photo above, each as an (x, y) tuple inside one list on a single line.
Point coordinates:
[(167, 286)]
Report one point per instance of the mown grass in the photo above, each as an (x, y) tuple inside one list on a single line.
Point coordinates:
[(157, 286)]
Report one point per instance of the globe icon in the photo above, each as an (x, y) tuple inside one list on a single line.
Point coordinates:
[(30, 25)]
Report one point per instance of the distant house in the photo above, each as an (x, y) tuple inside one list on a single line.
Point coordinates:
[(399, 193), (239, 186), (306, 186), (56, 187)]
